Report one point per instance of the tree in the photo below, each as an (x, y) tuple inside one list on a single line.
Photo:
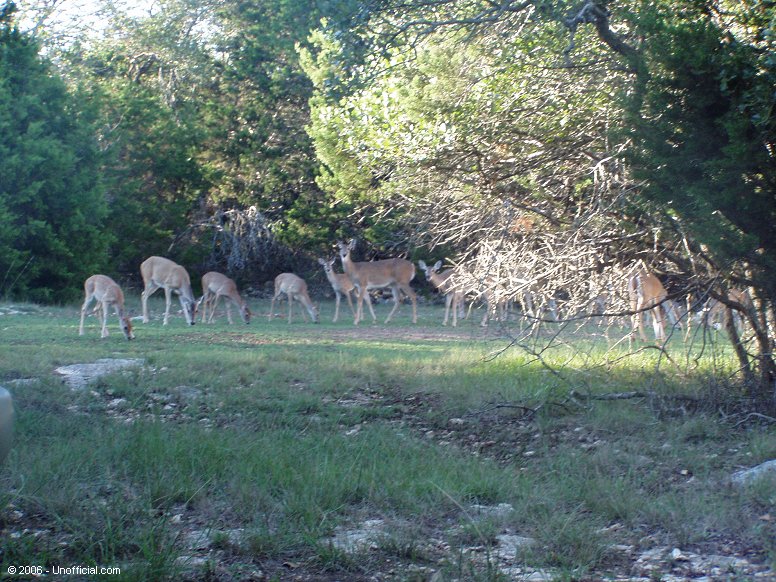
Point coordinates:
[(514, 193), (704, 140), (52, 200)]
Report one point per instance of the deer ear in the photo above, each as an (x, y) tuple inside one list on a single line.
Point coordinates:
[(321, 261), (437, 265), (352, 244), (422, 264)]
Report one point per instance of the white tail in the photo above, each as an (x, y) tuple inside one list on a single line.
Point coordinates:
[(214, 286), (443, 280), (295, 288), (159, 272), (393, 273), (715, 313), (107, 293), (342, 285)]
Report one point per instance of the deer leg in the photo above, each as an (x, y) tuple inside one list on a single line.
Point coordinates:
[(396, 298), (105, 311), (149, 290), (87, 301), (658, 324), (414, 298), (272, 306), (369, 304), (203, 303), (336, 306), (228, 303), (411, 294), (359, 305), (211, 303), (639, 318), (167, 301), (448, 301)]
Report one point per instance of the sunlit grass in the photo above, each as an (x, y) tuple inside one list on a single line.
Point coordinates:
[(287, 432)]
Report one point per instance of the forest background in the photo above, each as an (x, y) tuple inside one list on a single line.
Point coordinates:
[(548, 145)]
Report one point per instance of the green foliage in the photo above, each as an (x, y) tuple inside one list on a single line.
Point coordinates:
[(458, 124), (257, 118), (156, 182), (52, 205), (702, 125), (704, 141)]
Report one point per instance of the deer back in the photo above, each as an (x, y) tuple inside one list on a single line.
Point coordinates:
[(219, 284), (167, 274), (383, 272), (103, 288)]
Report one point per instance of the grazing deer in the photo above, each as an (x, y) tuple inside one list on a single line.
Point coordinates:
[(214, 286), (393, 273), (295, 288), (443, 280), (106, 292), (341, 284), (647, 295), (159, 272)]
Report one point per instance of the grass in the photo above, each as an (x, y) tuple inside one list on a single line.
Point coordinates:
[(288, 435)]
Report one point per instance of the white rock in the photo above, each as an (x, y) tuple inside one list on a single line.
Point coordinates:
[(80, 375), (749, 476)]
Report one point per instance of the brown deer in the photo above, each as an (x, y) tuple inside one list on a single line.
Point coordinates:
[(107, 293), (341, 284), (294, 287), (214, 286), (159, 272), (393, 273)]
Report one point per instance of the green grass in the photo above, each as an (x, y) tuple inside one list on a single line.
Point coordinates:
[(288, 434)]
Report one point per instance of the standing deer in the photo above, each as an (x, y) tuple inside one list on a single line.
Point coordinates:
[(647, 295), (443, 280), (214, 286), (341, 284), (106, 292), (393, 273), (159, 272), (295, 288)]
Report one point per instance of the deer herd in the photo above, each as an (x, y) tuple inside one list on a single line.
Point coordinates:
[(646, 294)]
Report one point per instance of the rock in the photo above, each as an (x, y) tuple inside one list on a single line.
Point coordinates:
[(356, 540), (78, 376), (678, 556), (23, 382), (6, 423), (500, 511), (748, 476), (509, 545)]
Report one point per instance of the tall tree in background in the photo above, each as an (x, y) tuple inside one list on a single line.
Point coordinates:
[(150, 74), (260, 149), (699, 86), (204, 108), (703, 132), (52, 200)]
